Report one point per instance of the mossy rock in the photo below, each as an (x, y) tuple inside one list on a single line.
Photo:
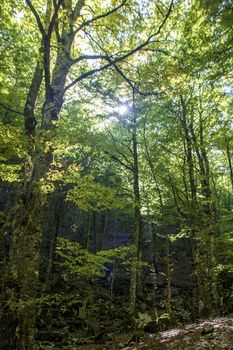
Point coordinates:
[(208, 328)]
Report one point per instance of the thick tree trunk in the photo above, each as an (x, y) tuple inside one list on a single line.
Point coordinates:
[(25, 250), (51, 230), (15, 285), (29, 108)]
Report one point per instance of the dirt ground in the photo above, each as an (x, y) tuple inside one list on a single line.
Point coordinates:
[(215, 334)]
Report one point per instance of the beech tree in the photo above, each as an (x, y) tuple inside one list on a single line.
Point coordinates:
[(63, 23)]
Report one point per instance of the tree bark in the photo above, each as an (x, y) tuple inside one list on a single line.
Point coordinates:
[(138, 225), (229, 158), (202, 214)]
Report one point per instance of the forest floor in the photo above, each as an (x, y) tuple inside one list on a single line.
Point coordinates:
[(214, 334)]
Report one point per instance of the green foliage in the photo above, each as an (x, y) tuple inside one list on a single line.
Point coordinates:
[(12, 153), (90, 195), (83, 264), (142, 319), (85, 191), (221, 267), (183, 132), (79, 261)]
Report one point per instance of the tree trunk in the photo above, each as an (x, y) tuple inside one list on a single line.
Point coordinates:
[(137, 236), (203, 222), (51, 229), (29, 108), (25, 250), (189, 154), (229, 157), (19, 283), (168, 273)]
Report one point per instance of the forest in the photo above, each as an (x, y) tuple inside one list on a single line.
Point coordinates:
[(116, 168)]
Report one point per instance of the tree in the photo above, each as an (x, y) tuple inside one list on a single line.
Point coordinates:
[(166, 162), (64, 23)]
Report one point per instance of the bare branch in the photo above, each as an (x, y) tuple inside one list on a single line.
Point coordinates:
[(86, 75), (133, 85), (159, 9), (162, 3), (56, 26)]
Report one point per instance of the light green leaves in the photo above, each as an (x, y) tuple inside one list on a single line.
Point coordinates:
[(83, 264), (12, 153)]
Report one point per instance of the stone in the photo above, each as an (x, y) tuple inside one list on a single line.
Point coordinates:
[(208, 328), (151, 327)]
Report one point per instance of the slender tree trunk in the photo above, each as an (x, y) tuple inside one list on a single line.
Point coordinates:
[(112, 284), (210, 218), (189, 153), (94, 233), (88, 244), (203, 219), (196, 214), (137, 237), (104, 222), (229, 158), (168, 273), (162, 210)]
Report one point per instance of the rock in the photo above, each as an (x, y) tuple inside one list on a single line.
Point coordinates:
[(151, 327), (136, 338), (208, 328)]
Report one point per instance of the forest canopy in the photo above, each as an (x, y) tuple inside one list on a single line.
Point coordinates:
[(116, 168)]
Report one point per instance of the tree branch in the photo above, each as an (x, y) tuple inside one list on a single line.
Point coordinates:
[(119, 71), (132, 84), (54, 17), (118, 160), (100, 16), (103, 57), (119, 59), (108, 58), (88, 57), (118, 151), (10, 109), (76, 12), (35, 13), (56, 26)]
